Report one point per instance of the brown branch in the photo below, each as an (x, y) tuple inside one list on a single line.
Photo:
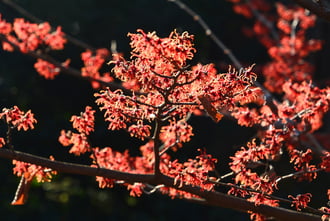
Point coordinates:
[(211, 197), (318, 8), (157, 144), (73, 168)]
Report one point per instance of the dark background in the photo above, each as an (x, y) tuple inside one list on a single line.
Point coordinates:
[(71, 197)]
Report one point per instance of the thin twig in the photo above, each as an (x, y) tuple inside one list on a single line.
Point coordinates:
[(296, 174)]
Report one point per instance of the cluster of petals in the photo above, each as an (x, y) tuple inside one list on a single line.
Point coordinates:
[(2, 142), (325, 164), (309, 103), (17, 118), (156, 60), (301, 200), (289, 55), (79, 142), (302, 162), (85, 122), (326, 209), (110, 159), (46, 69), (261, 30), (93, 62), (29, 36), (193, 172), (244, 163), (174, 134), (121, 109), (158, 68), (287, 45), (29, 171), (139, 130)]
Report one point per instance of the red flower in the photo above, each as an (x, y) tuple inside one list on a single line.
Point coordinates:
[(301, 200), (2, 142), (29, 171), (46, 69), (18, 118), (325, 164), (85, 122), (56, 39), (139, 130), (5, 28)]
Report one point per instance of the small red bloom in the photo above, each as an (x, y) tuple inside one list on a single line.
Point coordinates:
[(56, 39), (18, 118), (139, 130), (325, 164), (2, 142), (5, 27), (29, 171), (301, 200), (46, 69), (85, 122)]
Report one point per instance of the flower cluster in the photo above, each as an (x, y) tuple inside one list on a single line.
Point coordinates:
[(262, 28), (121, 109), (289, 55), (84, 124), (192, 172), (301, 200), (17, 118), (46, 69), (157, 60), (326, 210), (307, 102), (2, 142), (93, 62), (325, 164), (285, 41), (29, 171), (301, 161), (29, 36), (174, 134)]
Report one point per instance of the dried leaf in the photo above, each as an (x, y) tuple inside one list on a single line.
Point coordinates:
[(209, 108), (22, 191)]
